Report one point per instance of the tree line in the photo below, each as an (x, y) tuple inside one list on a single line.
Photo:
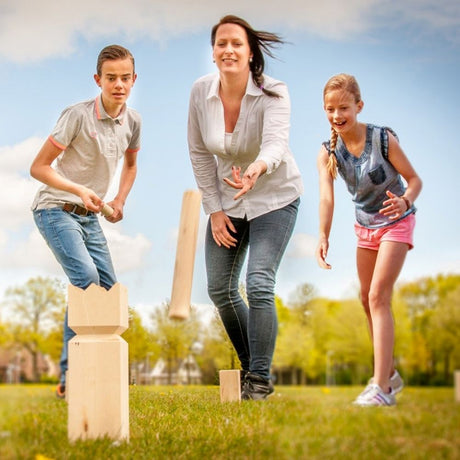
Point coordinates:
[(320, 341)]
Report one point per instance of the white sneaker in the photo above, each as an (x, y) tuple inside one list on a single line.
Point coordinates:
[(375, 396), (396, 383)]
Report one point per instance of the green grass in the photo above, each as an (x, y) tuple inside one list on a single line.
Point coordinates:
[(192, 423)]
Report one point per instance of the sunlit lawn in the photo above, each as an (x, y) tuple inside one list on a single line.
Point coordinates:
[(191, 422)]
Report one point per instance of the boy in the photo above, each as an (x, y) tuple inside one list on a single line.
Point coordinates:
[(87, 143)]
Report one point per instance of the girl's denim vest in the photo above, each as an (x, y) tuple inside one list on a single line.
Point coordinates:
[(369, 177)]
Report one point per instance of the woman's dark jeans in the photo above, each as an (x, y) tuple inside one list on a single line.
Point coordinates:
[(252, 330)]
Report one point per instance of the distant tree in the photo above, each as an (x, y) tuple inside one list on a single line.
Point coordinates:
[(218, 352), (444, 333), (175, 338), (142, 343), (36, 310), (424, 299)]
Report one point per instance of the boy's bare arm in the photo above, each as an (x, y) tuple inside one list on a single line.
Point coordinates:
[(42, 171), (127, 178)]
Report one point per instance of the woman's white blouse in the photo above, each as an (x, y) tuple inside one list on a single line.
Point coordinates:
[(261, 133)]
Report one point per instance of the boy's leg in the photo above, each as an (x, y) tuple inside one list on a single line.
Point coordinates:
[(66, 236), (98, 249)]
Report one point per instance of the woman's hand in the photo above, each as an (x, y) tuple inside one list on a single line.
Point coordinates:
[(220, 226), (249, 179)]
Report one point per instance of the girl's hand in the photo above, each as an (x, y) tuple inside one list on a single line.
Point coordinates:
[(249, 179), (321, 253), (394, 207), (220, 226)]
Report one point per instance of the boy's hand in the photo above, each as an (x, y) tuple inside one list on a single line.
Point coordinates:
[(117, 213), (90, 200)]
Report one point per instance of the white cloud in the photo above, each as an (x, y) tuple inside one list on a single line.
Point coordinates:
[(301, 246), (121, 245), (18, 188), (31, 31)]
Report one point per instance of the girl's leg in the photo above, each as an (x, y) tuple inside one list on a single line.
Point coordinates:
[(388, 265), (365, 261)]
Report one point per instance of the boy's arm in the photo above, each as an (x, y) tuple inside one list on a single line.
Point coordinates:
[(42, 171), (128, 175)]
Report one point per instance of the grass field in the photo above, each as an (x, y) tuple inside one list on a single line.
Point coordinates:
[(191, 423)]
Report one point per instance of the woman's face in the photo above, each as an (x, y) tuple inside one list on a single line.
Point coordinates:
[(231, 49)]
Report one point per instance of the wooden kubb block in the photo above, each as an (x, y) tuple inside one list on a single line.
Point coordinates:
[(230, 385), (97, 379)]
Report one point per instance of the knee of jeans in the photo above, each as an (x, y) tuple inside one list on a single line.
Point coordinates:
[(260, 288), (87, 276), (222, 293)]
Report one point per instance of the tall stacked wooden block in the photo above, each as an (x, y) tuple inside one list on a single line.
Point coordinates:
[(97, 379)]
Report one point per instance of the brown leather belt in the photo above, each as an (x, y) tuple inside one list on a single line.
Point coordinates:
[(79, 210)]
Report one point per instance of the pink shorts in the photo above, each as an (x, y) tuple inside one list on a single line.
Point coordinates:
[(400, 232)]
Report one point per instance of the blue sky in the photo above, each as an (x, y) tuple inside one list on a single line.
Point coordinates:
[(405, 57)]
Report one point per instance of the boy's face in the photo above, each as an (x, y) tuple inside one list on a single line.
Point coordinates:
[(116, 80)]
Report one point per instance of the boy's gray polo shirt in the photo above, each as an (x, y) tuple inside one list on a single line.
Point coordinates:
[(92, 144)]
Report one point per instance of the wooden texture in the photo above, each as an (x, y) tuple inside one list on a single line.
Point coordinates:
[(97, 379), (106, 211), (230, 385), (185, 255)]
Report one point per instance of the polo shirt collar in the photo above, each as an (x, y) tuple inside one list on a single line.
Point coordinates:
[(102, 114)]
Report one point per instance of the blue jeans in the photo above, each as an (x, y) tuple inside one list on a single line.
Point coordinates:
[(252, 330), (80, 247)]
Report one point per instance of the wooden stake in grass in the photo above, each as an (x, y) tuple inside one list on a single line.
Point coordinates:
[(185, 255), (230, 385), (97, 379)]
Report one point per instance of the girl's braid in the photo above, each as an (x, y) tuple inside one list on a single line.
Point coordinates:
[(332, 162)]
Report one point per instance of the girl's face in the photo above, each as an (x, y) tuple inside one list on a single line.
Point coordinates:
[(341, 110), (231, 49)]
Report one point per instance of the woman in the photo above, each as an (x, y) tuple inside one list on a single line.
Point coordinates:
[(239, 123)]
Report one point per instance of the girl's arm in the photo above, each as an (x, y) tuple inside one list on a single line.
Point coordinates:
[(396, 206), (326, 207)]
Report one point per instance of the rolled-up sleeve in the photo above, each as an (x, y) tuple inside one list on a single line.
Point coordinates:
[(276, 126), (203, 162)]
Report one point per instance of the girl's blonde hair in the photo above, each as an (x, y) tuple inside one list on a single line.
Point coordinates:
[(347, 83)]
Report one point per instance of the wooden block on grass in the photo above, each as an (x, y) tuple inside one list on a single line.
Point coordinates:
[(230, 385), (97, 388)]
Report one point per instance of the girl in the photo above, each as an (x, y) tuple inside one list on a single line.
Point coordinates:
[(372, 163), (239, 121)]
